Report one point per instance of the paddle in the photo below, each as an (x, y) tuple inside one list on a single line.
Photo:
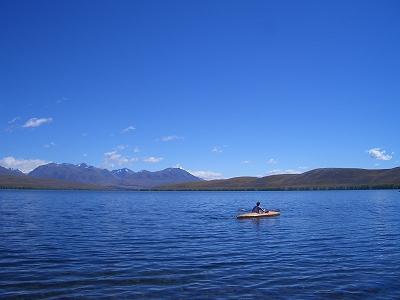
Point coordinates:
[(265, 211), (275, 209)]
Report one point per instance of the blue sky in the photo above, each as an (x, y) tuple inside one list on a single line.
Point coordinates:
[(220, 88)]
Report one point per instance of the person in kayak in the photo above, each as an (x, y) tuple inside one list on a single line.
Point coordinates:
[(258, 209)]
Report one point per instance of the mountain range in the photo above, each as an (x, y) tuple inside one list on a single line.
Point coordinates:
[(83, 175), (328, 178), (10, 172)]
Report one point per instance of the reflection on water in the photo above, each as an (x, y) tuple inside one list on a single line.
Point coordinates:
[(333, 244)]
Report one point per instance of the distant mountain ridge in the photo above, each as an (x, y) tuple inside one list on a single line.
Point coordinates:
[(10, 172), (123, 178), (327, 178)]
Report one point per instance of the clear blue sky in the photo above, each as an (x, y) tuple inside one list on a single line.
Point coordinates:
[(226, 88)]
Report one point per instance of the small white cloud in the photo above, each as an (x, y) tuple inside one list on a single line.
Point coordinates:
[(121, 147), (113, 159), (12, 124), (136, 149), (179, 166), (287, 171), (379, 154), (61, 100), (49, 145), (84, 134), (170, 138), (24, 165), (36, 122), (272, 161), (128, 129), (217, 149), (245, 162), (153, 159), (207, 175), (12, 121)]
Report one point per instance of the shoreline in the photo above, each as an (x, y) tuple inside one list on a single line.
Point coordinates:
[(374, 188)]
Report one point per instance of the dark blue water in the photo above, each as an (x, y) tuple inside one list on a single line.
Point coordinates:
[(180, 245)]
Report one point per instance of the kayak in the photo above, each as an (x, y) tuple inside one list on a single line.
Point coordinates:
[(271, 213)]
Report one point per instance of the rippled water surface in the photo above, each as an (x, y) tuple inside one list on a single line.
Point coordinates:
[(180, 245)]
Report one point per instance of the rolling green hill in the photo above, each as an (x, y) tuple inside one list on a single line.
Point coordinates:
[(329, 178)]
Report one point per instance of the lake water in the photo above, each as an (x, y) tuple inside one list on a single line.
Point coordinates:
[(180, 245)]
